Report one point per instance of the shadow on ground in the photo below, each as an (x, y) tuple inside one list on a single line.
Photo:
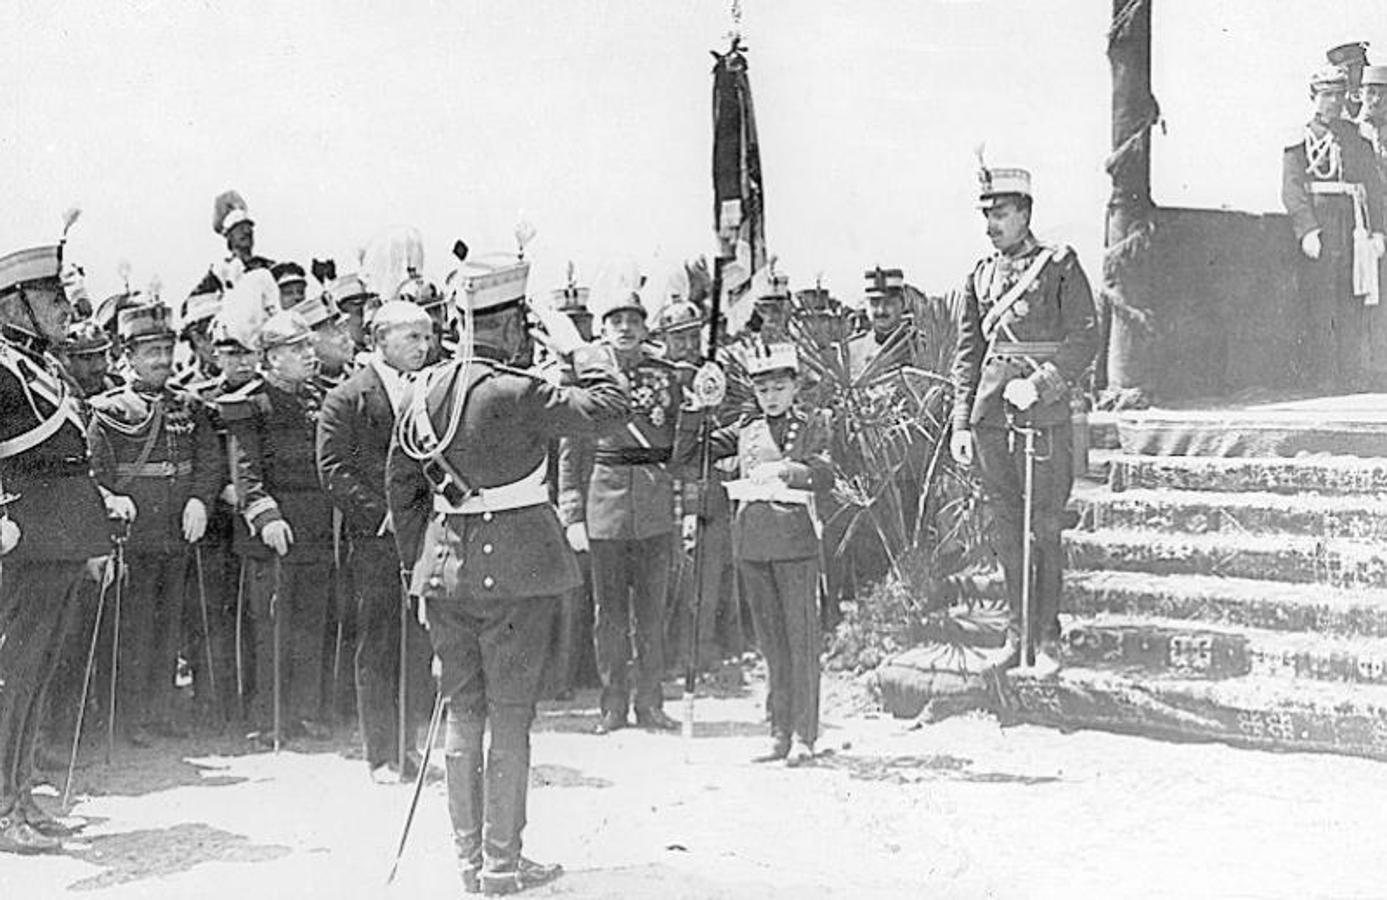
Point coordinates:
[(133, 774), (661, 882), (154, 853), (911, 769), (544, 775)]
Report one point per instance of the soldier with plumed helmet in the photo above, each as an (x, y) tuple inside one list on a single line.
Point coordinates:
[(52, 521), (1026, 333), (483, 550)]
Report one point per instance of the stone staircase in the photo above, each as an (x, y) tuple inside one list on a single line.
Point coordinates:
[(1232, 598)]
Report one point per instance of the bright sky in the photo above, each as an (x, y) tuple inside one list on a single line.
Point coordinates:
[(336, 118)]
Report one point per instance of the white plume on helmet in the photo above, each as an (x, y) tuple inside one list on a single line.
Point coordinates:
[(390, 259)]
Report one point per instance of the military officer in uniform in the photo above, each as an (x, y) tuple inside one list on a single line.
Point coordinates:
[(85, 356), (1026, 333), (616, 496), (353, 300), (1351, 58), (231, 219), (292, 281), (273, 425), (195, 329), (886, 310), (485, 552), (52, 523), (332, 342), (820, 316), (1331, 188), (354, 433), (158, 447)]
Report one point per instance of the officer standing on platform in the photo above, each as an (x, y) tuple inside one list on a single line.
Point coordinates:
[(1331, 188), (616, 496), (156, 446), (354, 433), (486, 552), (51, 523), (1026, 333), (273, 425)]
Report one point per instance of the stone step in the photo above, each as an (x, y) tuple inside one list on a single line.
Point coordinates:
[(1228, 602), (1199, 650), (1354, 516), (1351, 426), (1302, 474), (1257, 711), (1297, 558)]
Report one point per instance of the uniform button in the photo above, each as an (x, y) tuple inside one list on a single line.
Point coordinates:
[(488, 581), (486, 516), (442, 552), (486, 548)]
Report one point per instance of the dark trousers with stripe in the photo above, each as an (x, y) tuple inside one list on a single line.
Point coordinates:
[(38, 605), (783, 596)]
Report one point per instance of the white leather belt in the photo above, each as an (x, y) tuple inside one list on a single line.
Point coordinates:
[(528, 491), (746, 490)]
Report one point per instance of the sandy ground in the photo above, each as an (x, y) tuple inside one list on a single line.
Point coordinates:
[(958, 809)]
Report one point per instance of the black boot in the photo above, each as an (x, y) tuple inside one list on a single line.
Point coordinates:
[(507, 787), (463, 762)]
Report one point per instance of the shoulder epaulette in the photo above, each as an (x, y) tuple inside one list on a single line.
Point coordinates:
[(121, 408), (1294, 137), (1059, 252), (242, 402)]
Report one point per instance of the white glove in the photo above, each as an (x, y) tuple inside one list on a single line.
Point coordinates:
[(1021, 393), (194, 520), (229, 494), (9, 535), (577, 535), (560, 334), (688, 532), (961, 447), (278, 536), (1379, 244), (1310, 244), (119, 506)]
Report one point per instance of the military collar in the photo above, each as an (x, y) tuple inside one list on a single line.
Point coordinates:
[(488, 352), (1025, 247)]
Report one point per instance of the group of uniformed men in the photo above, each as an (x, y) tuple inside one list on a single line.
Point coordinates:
[(415, 456), (1334, 187)]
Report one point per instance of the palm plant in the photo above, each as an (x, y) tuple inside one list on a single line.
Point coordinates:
[(895, 479)]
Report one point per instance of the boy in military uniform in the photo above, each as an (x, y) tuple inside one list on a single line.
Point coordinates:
[(158, 447), (1026, 333), (784, 468), (616, 496), (485, 552), (273, 425), (51, 523)]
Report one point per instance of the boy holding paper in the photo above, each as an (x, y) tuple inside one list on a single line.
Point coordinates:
[(783, 464)]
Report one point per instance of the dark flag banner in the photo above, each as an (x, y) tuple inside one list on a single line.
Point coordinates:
[(739, 205)]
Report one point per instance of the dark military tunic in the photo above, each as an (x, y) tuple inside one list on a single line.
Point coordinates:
[(487, 554), (43, 459), (273, 435), (157, 447)]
